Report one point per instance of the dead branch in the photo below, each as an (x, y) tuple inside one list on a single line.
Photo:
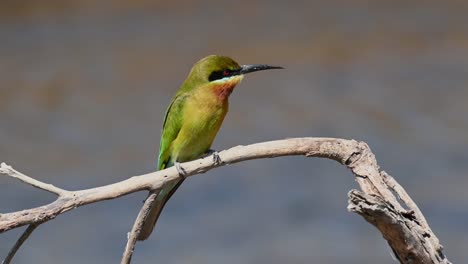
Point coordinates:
[(136, 229), (19, 243), (382, 202), (8, 170)]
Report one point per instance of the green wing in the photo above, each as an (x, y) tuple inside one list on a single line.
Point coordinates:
[(171, 127)]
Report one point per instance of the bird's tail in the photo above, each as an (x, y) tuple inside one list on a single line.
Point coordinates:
[(155, 209), (153, 215)]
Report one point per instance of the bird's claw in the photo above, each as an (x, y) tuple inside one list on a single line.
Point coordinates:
[(216, 158), (180, 170)]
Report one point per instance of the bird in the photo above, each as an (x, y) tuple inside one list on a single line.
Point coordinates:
[(193, 119)]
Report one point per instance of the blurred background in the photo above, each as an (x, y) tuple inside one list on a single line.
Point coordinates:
[(84, 86)]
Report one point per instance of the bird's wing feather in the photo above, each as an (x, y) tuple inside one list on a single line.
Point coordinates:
[(171, 128)]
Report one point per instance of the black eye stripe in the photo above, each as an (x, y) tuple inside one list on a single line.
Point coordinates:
[(217, 75)]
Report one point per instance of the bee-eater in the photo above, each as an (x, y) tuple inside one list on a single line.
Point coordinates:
[(194, 118)]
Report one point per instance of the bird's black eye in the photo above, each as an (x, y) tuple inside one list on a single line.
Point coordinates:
[(225, 73)]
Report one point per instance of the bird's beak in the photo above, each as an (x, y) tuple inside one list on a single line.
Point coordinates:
[(257, 67)]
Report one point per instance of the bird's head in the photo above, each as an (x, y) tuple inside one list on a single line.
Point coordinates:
[(221, 72)]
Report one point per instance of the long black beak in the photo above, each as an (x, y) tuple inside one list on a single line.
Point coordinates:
[(257, 67)]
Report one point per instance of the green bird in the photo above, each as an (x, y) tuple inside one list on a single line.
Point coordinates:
[(193, 120)]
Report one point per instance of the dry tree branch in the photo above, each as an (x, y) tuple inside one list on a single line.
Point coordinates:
[(136, 229), (19, 243), (8, 170), (382, 201)]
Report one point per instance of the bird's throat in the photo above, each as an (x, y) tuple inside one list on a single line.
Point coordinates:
[(223, 88)]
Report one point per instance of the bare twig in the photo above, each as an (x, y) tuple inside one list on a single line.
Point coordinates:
[(8, 170), (402, 225), (136, 229), (19, 243)]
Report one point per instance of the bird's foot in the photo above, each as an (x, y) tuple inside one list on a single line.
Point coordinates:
[(216, 158), (180, 170)]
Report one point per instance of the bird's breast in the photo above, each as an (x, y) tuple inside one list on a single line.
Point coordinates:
[(203, 116)]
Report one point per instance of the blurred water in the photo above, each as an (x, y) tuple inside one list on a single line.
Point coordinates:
[(84, 87)]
